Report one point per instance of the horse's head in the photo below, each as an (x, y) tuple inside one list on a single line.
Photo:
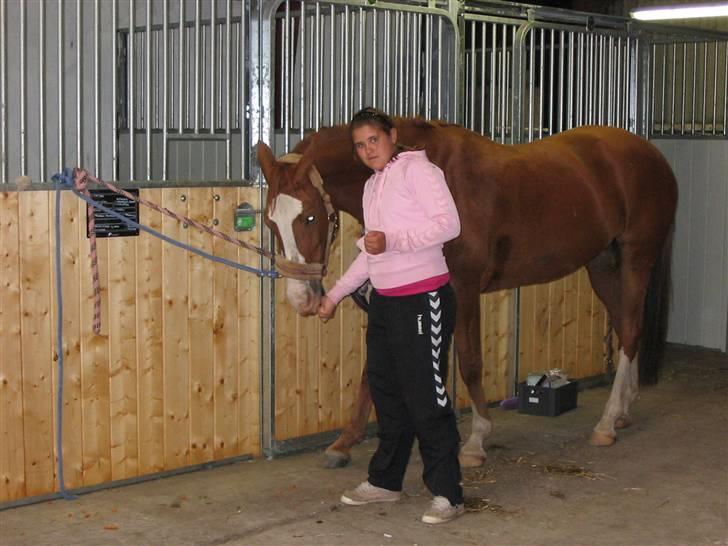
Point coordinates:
[(301, 217)]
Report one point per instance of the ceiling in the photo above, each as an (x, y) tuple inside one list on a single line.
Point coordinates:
[(623, 7)]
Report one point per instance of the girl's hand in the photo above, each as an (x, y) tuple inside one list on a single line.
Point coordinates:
[(327, 309), (375, 242)]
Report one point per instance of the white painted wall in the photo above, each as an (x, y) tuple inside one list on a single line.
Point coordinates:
[(700, 252)]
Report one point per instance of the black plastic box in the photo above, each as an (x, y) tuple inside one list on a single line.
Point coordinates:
[(540, 400)]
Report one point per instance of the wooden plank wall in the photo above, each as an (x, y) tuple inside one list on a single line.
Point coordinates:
[(562, 325), (173, 378)]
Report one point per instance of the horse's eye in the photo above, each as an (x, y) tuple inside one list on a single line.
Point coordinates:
[(310, 219)]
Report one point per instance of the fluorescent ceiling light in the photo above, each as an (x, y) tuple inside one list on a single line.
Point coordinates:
[(681, 12)]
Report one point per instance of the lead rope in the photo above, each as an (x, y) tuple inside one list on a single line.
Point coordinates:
[(59, 349), (81, 184), (77, 182)]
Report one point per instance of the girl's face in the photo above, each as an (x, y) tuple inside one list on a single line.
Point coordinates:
[(373, 146)]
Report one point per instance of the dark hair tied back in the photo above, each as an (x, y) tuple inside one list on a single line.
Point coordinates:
[(371, 116)]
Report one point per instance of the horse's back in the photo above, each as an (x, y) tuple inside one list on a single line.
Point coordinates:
[(535, 212), (633, 166)]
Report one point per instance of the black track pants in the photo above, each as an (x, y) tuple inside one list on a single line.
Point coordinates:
[(407, 344)]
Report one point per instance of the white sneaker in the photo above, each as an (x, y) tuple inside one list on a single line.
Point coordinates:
[(366, 493), (441, 511)]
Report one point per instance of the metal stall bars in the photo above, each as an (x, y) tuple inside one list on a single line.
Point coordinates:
[(183, 91), (45, 123), (571, 76), (687, 88), (488, 60), (333, 58), (149, 79), (318, 63)]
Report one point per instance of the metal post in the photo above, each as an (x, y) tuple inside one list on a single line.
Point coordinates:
[(347, 88), (472, 76), (165, 84), (261, 47), (148, 90), (302, 67), (213, 62), (198, 76), (286, 83), (3, 98), (682, 88), (483, 47), (23, 159), (493, 79), (715, 87), (332, 56), (41, 89)]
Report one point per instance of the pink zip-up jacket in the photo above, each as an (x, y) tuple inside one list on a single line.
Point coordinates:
[(410, 202)]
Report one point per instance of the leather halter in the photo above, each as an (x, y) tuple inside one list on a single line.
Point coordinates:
[(315, 271)]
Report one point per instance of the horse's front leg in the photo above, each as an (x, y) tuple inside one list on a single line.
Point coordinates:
[(338, 454), (467, 342)]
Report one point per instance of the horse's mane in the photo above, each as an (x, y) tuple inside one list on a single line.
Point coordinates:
[(333, 133), (422, 123), (322, 135)]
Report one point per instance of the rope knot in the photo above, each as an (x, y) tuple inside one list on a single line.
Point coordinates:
[(80, 179)]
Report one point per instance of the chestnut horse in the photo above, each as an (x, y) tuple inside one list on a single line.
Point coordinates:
[(598, 197)]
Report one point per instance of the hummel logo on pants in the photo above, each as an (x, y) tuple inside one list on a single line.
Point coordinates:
[(408, 338)]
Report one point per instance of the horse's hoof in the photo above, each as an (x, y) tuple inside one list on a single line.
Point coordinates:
[(471, 461), (335, 460), (600, 439), (623, 422)]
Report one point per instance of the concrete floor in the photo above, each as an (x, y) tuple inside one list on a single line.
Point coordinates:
[(665, 482)]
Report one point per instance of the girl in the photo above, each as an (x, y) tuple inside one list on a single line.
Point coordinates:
[(409, 214)]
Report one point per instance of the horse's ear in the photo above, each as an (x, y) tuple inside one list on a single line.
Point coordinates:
[(304, 164), (302, 167), (267, 162)]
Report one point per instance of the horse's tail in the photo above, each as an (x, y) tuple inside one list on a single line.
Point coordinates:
[(657, 307)]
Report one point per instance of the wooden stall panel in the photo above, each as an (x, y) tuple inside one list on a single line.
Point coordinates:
[(175, 327), (225, 334), (123, 365), (71, 259), (35, 339), (329, 343), (353, 322), (150, 381), (200, 313), (173, 377), (562, 326), (249, 335), (12, 454), (95, 384)]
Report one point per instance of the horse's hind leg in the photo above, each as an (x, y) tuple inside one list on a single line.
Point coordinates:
[(467, 341), (616, 412), (620, 276), (338, 454)]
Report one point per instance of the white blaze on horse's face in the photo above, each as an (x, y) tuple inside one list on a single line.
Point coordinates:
[(283, 211)]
